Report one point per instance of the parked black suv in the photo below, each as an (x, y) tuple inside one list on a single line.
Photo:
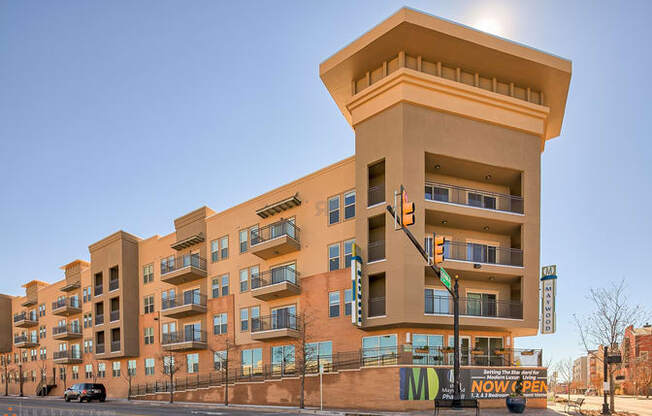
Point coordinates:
[(85, 391)]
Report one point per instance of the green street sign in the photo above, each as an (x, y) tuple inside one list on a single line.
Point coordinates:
[(445, 278)]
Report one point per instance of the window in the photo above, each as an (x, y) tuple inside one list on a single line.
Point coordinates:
[(244, 234), (131, 368), (319, 354), (88, 346), (116, 369), (215, 286), (481, 304), (43, 353), (333, 304), (149, 366), (283, 360), (437, 301), (481, 253), (89, 371), (252, 361), (244, 319), (148, 273), (224, 247), (168, 364), (348, 252), (225, 284), (334, 210), (193, 363), (41, 310), (244, 280), (379, 349), (215, 250), (42, 332), (427, 349), (490, 348), (253, 235), (348, 301), (254, 272), (482, 201), (349, 205), (149, 304), (219, 360), (440, 194), (255, 318), (101, 370), (149, 336), (333, 257), (220, 324), (62, 373)]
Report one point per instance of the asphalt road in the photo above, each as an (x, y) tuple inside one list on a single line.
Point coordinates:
[(11, 406)]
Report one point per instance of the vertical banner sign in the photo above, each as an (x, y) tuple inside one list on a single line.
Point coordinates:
[(356, 287), (548, 295)]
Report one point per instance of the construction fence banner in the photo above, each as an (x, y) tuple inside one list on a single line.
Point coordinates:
[(429, 383)]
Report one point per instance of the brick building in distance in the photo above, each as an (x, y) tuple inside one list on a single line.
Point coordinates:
[(457, 116), (636, 368)]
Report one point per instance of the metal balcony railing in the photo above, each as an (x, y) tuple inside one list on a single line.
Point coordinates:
[(24, 316), (70, 354), (483, 253), (114, 284), (99, 349), (274, 276), (443, 305), (115, 316), (97, 291), (115, 346), (181, 262), (376, 250), (195, 335), (376, 306), (279, 320), (460, 195), (99, 319), (375, 195), (67, 302), (188, 298), (25, 338), (66, 329), (275, 230)]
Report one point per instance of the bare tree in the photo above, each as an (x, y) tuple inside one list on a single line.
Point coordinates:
[(170, 364), (605, 325), (564, 370), (222, 360), (305, 356), (128, 377), (642, 373), (42, 366), (6, 367)]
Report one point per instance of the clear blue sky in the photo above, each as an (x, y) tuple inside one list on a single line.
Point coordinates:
[(102, 103)]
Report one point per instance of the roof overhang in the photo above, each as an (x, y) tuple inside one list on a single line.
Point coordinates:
[(188, 242), (437, 39), (280, 206)]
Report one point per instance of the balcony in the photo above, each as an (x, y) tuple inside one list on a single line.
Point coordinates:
[(443, 305), (114, 285), (99, 349), (276, 283), (29, 302), (67, 357), (99, 319), (191, 304), (25, 320), (69, 287), (376, 307), (275, 239), (115, 346), (25, 341), (476, 198), (66, 332), (114, 316), (375, 195), (376, 251), (280, 325), (483, 254), (183, 269), (98, 290), (66, 307), (187, 340)]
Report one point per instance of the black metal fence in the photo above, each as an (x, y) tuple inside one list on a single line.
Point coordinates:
[(473, 197), (376, 250), (483, 253), (275, 230), (176, 263), (70, 354), (474, 307), (194, 335), (24, 316), (188, 298), (375, 195), (66, 329), (274, 276), (279, 320), (351, 360), (71, 302)]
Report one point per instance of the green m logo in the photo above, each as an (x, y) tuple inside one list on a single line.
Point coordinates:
[(418, 383)]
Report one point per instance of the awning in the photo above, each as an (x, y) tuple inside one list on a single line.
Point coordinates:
[(280, 206), (187, 242)]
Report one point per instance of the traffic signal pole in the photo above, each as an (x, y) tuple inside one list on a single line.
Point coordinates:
[(456, 309)]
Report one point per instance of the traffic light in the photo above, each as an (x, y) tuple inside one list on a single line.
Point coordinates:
[(407, 210), (438, 249)]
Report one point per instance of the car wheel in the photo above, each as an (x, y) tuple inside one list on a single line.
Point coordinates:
[(102, 399), (66, 398), (81, 399)]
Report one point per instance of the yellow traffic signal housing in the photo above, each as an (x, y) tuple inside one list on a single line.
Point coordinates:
[(407, 210), (438, 250)]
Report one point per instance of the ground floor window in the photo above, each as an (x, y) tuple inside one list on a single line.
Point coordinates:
[(131, 368), (149, 366), (116, 369), (193, 363), (89, 371), (283, 360), (252, 361), (489, 351), (319, 354), (427, 349), (379, 350), (219, 360)]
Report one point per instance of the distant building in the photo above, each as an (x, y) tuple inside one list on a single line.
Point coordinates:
[(580, 374), (636, 350)]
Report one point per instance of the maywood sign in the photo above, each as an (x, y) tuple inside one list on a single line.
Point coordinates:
[(428, 383), (548, 296)]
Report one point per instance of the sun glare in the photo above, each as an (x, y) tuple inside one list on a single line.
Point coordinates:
[(490, 25)]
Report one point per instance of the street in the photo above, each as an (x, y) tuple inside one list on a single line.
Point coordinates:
[(55, 406)]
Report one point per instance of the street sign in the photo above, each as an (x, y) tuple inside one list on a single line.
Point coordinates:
[(614, 359), (445, 278), (548, 299)]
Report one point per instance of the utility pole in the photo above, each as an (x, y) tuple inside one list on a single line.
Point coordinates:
[(605, 405), (456, 347), (20, 378)]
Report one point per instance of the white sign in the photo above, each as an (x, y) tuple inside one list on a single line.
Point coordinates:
[(605, 386), (548, 296), (356, 287)]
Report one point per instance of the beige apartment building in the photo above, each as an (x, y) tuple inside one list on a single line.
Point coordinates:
[(457, 116)]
